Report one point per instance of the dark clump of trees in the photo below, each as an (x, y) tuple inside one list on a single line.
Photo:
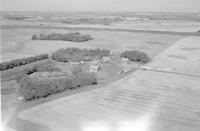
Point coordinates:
[(135, 55), (23, 61), (71, 36), (92, 20), (34, 87), (39, 88), (76, 54)]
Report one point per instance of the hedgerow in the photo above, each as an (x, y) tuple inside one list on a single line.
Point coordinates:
[(20, 62), (71, 36)]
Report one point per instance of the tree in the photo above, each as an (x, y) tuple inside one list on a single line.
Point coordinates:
[(34, 37)]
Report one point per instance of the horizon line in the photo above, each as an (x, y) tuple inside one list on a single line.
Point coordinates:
[(114, 11)]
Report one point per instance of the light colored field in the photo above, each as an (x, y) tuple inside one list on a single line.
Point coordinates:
[(160, 25), (152, 44), (180, 54), (143, 101)]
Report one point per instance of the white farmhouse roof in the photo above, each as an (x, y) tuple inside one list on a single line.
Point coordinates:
[(106, 58)]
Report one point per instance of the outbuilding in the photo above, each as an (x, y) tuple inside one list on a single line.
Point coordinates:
[(94, 68), (106, 59)]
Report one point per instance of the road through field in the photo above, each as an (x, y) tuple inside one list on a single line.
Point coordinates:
[(146, 100)]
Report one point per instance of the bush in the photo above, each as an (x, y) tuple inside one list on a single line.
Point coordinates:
[(136, 56), (20, 62), (71, 36), (77, 69), (50, 67), (34, 37), (81, 78), (76, 54)]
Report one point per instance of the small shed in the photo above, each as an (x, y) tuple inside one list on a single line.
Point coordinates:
[(94, 68), (124, 60), (106, 59)]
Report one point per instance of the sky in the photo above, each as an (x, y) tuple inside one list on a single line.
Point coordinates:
[(102, 5)]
